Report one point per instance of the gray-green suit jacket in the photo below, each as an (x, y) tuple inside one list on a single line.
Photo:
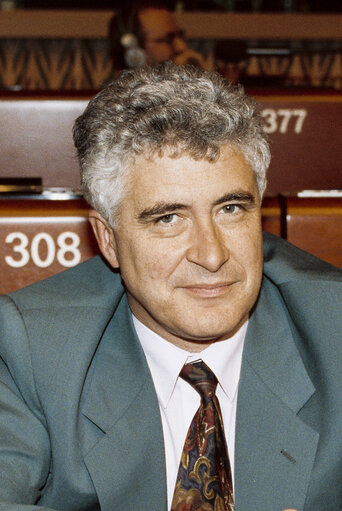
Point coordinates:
[(79, 419)]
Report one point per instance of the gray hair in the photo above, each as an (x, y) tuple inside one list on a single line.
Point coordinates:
[(150, 110)]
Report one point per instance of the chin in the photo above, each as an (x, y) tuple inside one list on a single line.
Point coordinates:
[(210, 333)]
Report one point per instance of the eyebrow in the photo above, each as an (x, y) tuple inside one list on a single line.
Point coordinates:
[(245, 197), (161, 208), (164, 208)]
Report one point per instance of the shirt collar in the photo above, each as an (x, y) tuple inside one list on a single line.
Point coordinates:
[(224, 359), (166, 360)]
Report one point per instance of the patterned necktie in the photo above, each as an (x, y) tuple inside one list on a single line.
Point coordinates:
[(204, 481)]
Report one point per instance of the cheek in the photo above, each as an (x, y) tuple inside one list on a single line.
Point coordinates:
[(164, 262), (149, 262), (248, 252), (254, 263)]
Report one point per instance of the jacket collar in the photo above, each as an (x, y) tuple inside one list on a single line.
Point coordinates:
[(126, 463), (275, 449)]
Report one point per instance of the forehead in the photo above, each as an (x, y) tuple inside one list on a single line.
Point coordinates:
[(183, 178), (156, 22)]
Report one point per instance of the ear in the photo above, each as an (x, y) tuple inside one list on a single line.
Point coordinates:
[(105, 237)]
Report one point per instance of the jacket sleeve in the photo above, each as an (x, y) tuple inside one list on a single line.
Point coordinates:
[(24, 438)]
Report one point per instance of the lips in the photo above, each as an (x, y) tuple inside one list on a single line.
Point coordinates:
[(209, 290)]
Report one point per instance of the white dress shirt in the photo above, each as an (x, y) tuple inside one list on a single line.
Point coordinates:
[(178, 401)]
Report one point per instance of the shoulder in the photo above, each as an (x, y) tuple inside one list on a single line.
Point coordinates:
[(50, 331), (71, 308), (311, 289), (284, 263), (92, 283)]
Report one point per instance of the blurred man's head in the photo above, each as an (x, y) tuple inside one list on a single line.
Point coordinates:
[(163, 40), (151, 27)]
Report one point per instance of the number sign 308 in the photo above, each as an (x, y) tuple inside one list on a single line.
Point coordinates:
[(66, 252)]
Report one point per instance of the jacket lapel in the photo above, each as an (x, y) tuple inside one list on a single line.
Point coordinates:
[(275, 450), (125, 451)]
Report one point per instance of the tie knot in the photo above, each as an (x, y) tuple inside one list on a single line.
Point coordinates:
[(201, 378)]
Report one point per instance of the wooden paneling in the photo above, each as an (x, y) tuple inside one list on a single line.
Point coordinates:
[(36, 139), (40, 238), (315, 225), (54, 49), (198, 25), (304, 131), (85, 64), (271, 215)]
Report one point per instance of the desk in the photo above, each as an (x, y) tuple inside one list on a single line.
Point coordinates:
[(36, 138), (304, 131), (315, 225), (41, 238), (271, 215)]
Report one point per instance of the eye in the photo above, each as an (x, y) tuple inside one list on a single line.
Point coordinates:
[(231, 208), (167, 219)]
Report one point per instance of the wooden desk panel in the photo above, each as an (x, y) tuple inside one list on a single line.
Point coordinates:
[(305, 133), (41, 238), (36, 139), (304, 130), (85, 24), (271, 215), (315, 225)]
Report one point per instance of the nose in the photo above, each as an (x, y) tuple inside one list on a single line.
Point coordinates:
[(179, 45), (207, 248)]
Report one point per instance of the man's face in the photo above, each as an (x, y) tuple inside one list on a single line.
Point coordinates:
[(189, 246), (162, 39)]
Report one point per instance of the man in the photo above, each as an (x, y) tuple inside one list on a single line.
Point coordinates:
[(94, 412), (147, 33)]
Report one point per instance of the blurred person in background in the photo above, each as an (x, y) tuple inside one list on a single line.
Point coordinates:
[(147, 33)]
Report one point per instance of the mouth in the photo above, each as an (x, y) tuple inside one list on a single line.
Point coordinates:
[(209, 290)]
